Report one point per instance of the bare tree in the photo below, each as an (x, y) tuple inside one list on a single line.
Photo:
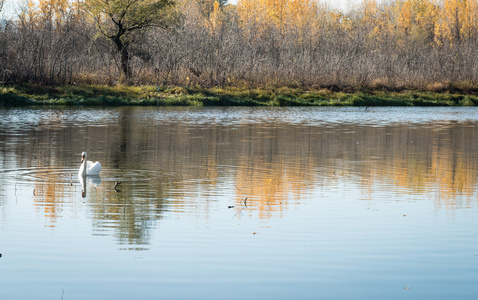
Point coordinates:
[(123, 21)]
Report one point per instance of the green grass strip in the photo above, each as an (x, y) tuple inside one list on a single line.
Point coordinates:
[(95, 95)]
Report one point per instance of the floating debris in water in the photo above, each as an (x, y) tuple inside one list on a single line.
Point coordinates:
[(254, 233), (406, 287)]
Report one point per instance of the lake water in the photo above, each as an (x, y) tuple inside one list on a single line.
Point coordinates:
[(239, 203)]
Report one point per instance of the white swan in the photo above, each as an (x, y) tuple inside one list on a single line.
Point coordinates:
[(88, 167)]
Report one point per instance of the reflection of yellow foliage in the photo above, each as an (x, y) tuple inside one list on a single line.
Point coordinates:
[(415, 161), (272, 185), (48, 197), (446, 168), (265, 183), (274, 167)]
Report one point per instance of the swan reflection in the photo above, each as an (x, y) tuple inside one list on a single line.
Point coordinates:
[(88, 180)]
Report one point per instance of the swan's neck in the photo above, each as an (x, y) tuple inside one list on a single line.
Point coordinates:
[(84, 168)]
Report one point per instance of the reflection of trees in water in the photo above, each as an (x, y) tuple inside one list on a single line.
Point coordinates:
[(443, 159), (121, 144), (131, 210), (48, 198), (161, 165), (130, 217)]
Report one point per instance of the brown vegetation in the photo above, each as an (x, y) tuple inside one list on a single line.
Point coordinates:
[(413, 44)]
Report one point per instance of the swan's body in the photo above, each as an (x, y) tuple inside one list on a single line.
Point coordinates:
[(88, 167)]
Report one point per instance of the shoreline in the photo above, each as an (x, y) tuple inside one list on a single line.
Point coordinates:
[(17, 95)]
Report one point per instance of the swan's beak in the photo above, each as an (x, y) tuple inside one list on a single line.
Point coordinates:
[(82, 158)]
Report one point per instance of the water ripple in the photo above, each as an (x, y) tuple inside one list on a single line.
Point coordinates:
[(39, 174)]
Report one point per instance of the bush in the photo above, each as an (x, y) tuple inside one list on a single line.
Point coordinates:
[(466, 102)]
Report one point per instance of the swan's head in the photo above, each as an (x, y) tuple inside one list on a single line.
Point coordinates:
[(83, 156)]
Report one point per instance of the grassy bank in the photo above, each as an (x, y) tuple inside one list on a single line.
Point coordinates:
[(94, 95)]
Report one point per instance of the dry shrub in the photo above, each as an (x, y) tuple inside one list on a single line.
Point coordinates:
[(438, 87)]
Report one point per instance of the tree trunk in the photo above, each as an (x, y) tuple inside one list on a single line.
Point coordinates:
[(123, 50), (125, 63)]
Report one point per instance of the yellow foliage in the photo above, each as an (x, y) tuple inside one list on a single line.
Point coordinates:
[(416, 19), (296, 16), (215, 19), (470, 20), (48, 12), (457, 21), (430, 21), (29, 15), (369, 12)]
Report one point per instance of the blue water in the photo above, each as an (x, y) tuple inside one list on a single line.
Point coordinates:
[(240, 203)]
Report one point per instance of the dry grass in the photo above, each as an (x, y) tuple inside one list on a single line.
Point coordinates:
[(438, 87)]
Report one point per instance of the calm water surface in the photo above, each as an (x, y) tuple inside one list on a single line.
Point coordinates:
[(240, 203)]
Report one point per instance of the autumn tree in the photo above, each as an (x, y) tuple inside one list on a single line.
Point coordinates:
[(123, 21), (207, 7), (416, 19), (457, 21)]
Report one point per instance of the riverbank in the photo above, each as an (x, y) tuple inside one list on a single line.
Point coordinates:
[(96, 95)]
